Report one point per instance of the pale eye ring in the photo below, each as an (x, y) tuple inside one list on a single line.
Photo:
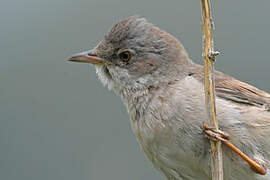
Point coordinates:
[(124, 55)]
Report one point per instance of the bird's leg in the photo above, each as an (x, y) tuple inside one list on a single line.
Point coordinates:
[(257, 165), (213, 134), (261, 164)]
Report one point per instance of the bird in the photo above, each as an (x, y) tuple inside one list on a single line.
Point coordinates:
[(163, 91)]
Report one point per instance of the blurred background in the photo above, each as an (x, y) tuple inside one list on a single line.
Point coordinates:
[(57, 121)]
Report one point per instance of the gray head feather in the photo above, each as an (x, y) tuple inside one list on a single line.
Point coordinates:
[(158, 56), (138, 34)]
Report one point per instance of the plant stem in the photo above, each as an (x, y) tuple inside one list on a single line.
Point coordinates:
[(209, 58)]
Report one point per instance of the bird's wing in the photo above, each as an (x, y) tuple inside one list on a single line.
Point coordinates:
[(234, 90)]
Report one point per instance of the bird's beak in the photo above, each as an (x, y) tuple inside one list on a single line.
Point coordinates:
[(87, 57)]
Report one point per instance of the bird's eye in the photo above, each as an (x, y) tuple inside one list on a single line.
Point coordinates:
[(124, 55)]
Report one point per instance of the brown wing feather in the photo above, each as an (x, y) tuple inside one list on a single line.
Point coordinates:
[(232, 89)]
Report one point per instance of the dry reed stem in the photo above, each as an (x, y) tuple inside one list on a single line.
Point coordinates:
[(209, 58)]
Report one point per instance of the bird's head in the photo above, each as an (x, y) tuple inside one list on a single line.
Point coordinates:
[(136, 54)]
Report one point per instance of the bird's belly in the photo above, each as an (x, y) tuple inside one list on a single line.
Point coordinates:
[(176, 158), (167, 155), (185, 166), (173, 163)]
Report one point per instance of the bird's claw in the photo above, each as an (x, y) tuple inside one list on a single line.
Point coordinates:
[(213, 134)]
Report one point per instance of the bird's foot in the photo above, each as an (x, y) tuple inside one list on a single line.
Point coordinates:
[(257, 165), (213, 134)]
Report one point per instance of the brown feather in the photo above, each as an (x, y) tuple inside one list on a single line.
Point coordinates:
[(234, 90)]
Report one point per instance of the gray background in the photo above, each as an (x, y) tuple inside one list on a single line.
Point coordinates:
[(57, 122)]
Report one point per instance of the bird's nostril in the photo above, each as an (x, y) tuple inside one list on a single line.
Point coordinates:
[(91, 54)]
